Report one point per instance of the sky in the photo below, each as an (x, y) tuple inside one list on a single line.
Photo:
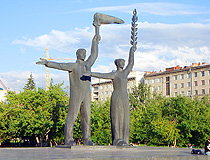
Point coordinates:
[(170, 33)]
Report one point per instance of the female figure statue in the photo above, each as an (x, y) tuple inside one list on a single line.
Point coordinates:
[(119, 109)]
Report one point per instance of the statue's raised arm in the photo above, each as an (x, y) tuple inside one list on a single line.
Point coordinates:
[(133, 42), (130, 61), (98, 20)]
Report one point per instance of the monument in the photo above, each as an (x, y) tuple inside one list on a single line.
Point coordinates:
[(119, 108), (80, 96)]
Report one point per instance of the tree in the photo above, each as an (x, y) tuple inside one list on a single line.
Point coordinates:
[(101, 123), (140, 96), (30, 85), (36, 113)]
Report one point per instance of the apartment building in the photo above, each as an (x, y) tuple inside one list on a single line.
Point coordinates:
[(102, 88), (193, 80)]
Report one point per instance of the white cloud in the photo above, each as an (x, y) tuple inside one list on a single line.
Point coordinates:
[(159, 45), (15, 81), (59, 40)]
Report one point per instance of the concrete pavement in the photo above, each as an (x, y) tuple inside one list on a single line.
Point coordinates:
[(100, 153)]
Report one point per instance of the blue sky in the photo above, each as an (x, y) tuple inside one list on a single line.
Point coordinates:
[(170, 33)]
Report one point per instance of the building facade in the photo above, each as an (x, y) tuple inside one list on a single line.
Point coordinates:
[(102, 88), (193, 80)]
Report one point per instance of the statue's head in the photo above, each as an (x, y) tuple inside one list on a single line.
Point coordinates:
[(81, 54), (120, 63)]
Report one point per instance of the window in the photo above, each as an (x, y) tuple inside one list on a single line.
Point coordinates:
[(106, 92), (153, 88), (182, 93), (167, 79), (203, 73), (196, 92), (188, 84), (95, 88), (209, 90), (209, 81), (189, 75), (175, 93), (196, 74), (159, 88), (175, 77), (209, 72), (196, 83), (159, 80), (107, 86), (203, 91), (188, 93), (182, 76), (182, 85), (203, 82), (102, 93), (128, 90), (147, 81), (168, 89), (175, 86), (153, 81)]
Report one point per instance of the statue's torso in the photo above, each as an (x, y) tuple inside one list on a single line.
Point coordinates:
[(120, 83), (77, 80)]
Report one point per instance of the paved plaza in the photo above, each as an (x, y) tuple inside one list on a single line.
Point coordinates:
[(100, 153)]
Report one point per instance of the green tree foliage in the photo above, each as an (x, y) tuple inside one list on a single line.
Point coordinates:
[(168, 121), (154, 120), (140, 96), (37, 113), (30, 85), (100, 123)]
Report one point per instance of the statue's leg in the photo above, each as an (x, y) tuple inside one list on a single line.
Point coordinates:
[(114, 120), (85, 110), (126, 122), (119, 117), (74, 106)]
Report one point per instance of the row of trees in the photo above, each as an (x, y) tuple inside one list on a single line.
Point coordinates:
[(177, 121), (39, 116)]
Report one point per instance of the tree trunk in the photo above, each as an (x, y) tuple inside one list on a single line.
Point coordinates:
[(175, 142)]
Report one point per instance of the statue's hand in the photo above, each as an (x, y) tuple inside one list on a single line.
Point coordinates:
[(42, 62), (97, 38), (87, 73), (133, 49)]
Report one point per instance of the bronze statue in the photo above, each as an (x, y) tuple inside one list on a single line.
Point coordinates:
[(80, 96), (119, 108)]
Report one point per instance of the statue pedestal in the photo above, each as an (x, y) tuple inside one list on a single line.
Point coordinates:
[(63, 146)]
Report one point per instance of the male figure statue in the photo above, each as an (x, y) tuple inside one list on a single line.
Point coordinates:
[(80, 96)]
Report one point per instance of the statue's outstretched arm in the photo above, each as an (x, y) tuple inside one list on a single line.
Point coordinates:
[(110, 75), (60, 66), (130, 60)]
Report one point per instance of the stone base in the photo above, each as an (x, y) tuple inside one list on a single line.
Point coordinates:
[(81, 147), (100, 153), (63, 146)]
